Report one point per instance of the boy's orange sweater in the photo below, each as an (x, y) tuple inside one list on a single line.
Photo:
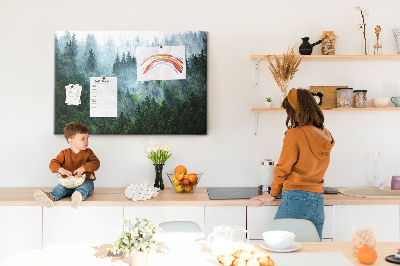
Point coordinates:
[(303, 161), (71, 161)]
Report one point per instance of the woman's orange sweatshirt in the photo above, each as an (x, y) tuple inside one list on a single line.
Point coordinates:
[(303, 161)]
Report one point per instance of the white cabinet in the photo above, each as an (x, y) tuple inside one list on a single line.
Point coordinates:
[(85, 225), (259, 219), (20, 229), (218, 215), (386, 217), (159, 214)]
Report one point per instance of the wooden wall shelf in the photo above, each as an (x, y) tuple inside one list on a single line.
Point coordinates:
[(257, 110), (336, 57)]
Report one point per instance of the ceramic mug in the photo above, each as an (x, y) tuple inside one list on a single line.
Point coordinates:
[(395, 184), (396, 101)]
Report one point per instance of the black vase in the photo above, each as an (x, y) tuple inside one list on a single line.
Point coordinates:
[(306, 48), (159, 181)]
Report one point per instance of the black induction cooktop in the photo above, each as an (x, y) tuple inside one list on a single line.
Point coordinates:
[(225, 193)]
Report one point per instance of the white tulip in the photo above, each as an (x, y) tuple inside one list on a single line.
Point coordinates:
[(154, 149), (167, 148), (148, 149), (158, 147)]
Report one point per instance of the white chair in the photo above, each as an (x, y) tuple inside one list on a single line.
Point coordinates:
[(178, 234), (304, 230)]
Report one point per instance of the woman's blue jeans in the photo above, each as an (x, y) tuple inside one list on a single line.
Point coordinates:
[(86, 189), (306, 205)]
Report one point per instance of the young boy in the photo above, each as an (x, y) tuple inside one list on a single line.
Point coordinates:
[(77, 160)]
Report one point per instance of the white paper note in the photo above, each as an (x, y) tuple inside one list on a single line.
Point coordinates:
[(73, 94), (103, 97), (161, 63)]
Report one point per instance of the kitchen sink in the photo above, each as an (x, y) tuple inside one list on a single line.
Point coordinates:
[(370, 192)]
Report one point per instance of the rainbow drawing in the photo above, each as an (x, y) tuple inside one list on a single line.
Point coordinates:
[(161, 63), (167, 59)]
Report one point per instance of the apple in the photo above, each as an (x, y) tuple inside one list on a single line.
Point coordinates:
[(179, 175), (185, 182), (175, 181), (179, 188), (189, 188), (192, 178)]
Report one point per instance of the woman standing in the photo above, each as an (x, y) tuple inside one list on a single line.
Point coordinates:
[(305, 156)]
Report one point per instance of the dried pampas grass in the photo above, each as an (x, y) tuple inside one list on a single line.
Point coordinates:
[(283, 71)]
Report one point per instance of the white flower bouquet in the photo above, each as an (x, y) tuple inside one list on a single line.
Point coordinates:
[(157, 154)]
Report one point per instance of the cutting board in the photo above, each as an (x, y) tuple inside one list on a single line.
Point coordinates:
[(329, 98)]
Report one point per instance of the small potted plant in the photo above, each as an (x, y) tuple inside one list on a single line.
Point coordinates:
[(137, 240), (268, 102)]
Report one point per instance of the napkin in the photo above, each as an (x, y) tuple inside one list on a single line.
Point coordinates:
[(310, 259)]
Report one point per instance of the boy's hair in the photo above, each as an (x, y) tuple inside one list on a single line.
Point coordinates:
[(309, 112), (74, 128)]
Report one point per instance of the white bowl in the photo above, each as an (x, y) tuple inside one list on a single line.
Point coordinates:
[(279, 240), (380, 102)]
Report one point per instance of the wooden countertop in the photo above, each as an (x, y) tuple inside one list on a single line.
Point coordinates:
[(23, 196)]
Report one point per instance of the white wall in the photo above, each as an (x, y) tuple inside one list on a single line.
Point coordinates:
[(229, 153)]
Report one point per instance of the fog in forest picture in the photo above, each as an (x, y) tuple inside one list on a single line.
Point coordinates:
[(175, 106)]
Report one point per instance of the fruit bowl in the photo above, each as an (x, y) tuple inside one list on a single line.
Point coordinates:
[(72, 181), (185, 183)]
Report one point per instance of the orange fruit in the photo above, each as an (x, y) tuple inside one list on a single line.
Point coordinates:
[(180, 169), (367, 255)]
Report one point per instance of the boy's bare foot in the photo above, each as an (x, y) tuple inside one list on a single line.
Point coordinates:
[(44, 198), (76, 199)]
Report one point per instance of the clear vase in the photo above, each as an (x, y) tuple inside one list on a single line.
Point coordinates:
[(364, 46), (139, 258), (283, 96), (159, 181)]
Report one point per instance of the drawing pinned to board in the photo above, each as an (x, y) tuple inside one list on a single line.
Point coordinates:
[(73, 94), (169, 98), (161, 63)]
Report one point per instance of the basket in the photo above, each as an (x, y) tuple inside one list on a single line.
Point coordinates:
[(72, 181)]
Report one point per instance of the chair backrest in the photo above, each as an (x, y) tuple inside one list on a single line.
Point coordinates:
[(304, 230)]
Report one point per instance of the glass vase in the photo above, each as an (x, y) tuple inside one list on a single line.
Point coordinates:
[(396, 33), (364, 46), (159, 181)]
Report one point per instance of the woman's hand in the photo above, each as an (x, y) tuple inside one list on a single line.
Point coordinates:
[(263, 198)]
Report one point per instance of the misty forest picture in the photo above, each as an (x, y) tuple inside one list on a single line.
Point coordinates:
[(153, 106)]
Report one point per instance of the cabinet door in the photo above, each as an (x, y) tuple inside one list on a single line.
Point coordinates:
[(259, 219), (85, 225), (386, 217), (218, 215), (20, 229), (159, 214)]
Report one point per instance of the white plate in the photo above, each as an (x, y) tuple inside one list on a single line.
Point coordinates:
[(293, 247)]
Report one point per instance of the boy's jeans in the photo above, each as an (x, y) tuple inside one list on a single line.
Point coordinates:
[(86, 189), (306, 205)]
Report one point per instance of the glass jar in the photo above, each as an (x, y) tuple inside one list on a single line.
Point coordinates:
[(360, 98), (266, 176), (344, 97), (364, 234)]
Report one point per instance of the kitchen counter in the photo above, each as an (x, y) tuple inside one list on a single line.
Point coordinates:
[(23, 196)]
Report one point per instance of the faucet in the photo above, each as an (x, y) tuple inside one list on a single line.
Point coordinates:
[(378, 179)]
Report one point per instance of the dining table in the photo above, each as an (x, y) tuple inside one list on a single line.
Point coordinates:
[(73, 254)]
